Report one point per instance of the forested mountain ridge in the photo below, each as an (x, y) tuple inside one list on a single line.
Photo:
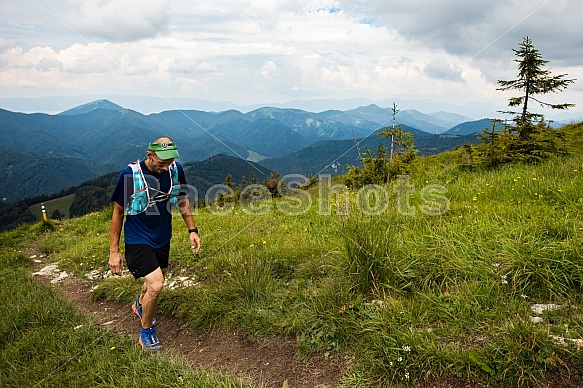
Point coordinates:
[(59, 151)]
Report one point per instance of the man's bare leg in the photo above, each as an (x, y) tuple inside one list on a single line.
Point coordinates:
[(153, 283)]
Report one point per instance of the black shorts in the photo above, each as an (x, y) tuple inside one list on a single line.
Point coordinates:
[(143, 259)]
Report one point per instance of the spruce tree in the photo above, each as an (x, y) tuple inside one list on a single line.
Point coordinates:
[(532, 80)]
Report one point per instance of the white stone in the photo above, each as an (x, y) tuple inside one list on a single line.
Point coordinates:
[(538, 309), (62, 275), (47, 271)]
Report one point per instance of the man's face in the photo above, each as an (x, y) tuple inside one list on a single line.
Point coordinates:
[(158, 165)]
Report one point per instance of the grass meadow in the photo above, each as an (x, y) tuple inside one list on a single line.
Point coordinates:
[(432, 276)]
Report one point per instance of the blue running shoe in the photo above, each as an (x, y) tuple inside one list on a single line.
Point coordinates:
[(137, 309), (149, 340)]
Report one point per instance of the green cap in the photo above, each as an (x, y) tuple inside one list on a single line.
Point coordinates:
[(164, 150)]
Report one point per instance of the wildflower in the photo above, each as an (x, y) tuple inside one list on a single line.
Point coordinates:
[(406, 348), (475, 198), (342, 309), (264, 242), (496, 265), (400, 359), (524, 296), (503, 279), (406, 375)]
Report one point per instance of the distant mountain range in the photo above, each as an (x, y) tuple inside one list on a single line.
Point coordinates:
[(54, 152)]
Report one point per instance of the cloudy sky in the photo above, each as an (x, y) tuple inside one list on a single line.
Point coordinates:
[(276, 51)]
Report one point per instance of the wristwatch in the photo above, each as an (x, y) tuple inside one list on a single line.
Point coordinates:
[(195, 230)]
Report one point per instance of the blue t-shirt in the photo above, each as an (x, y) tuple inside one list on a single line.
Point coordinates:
[(153, 226)]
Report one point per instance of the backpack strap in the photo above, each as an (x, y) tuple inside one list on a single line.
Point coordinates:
[(175, 184), (140, 199), (138, 175)]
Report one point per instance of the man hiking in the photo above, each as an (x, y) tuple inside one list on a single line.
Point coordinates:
[(144, 194)]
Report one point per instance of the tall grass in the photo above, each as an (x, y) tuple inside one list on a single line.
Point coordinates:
[(462, 283)]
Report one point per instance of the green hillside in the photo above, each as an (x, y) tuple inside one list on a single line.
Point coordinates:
[(27, 175), (199, 175), (447, 277), (61, 204)]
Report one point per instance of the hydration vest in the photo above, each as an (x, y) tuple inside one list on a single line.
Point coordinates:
[(141, 198)]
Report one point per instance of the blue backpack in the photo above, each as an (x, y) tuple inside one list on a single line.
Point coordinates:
[(141, 199)]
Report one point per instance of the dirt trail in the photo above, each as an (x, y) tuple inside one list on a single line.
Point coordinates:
[(268, 363)]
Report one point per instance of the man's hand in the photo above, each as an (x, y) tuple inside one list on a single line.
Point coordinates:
[(116, 263), (115, 257), (194, 242)]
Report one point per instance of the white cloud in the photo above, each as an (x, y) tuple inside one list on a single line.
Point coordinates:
[(49, 64), (118, 21), (441, 69), (256, 51), (269, 68), (467, 27)]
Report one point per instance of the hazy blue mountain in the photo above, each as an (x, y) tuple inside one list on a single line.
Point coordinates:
[(333, 156), (324, 157), (471, 127), (85, 108), (204, 174), (311, 126), (105, 134), (381, 117), (374, 117), (117, 137), (423, 121), (449, 119), (266, 136), (193, 122)]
